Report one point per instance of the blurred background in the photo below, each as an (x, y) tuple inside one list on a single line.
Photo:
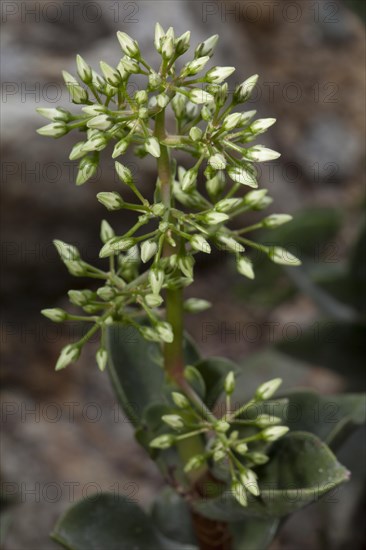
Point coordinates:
[(63, 434)]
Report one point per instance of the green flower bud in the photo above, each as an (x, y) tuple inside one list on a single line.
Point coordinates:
[(153, 300), (179, 104), (199, 96), (77, 92), (196, 305), (281, 256), (56, 315), (266, 390), (76, 268), (128, 65), (193, 67), (216, 184), (185, 264), (261, 125), (66, 251), (275, 220), (255, 199), (120, 148), (156, 279), (167, 48), (232, 121), (162, 100), (106, 231), (80, 297), (152, 146), (257, 458), (241, 448), (55, 130), (163, 441), (207, 47), (264, 420), (77, 151), (195, 463), (249, 480), (101, 358), (195, 133), (150, 334), (245, 267), (239, 493), (244, 90), (165, 332), (148, 250), (219, 74), (221, 426), (87, 168), (182, 43), (111, 200), (219, 454), (173, 420), (189, 180), (213, 218), (217, 161), (259, 153), (97, 143), (229, 383), (117, 244), (159, 36), (56, 115), (199, 243), (99, 122), (180, 400), (274, 432), (84, 70), (123, 173), (228, 205), (69, 354), (128, 45), (106, 293), (243, 176), (230, 244), (154, 80)]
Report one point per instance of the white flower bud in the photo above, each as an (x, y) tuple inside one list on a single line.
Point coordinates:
[(213, 218), (110, 199), (243, 176), (101, 358), (87, 168), (156, 279), (199, 243), (58, 114), (195, 463), (55, 130), (221, 426), (77, 151), (182, 43), (196, 305), (128, 45), (165, 332), (112, 76), (244, 90), (180, 400), (148, 250), (105, 293), (261, 125), (84, 70), (249, 480), (141, 97), (96, 143), (258, 153), (66, 251), (189, 180), (241, 448), (207, 47), (162, 441), (76, 268), (275, 220), (128, 65), (173, 420), (179, 104), (232, 121), (281, 256), (227, 205), (120, 148), (80, 297), (239, 493), (56, 315), (162, 100), (230, 244), (77, 92), (198, 96), (185, 264), (257, 458), (229, 383), (150, 334), (195, 133), (217, 161), (99, 122), (154, 80), (264, 420), (219, 74), (152, 146), (195, 66), (116, 244), (153, 300), (255, 198), (267, 389), (168, 47), (245, 267), (123, 173), (274, 432), (159, 35), (68, 354)]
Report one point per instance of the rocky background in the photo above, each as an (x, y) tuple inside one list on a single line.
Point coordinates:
[(63, 434)]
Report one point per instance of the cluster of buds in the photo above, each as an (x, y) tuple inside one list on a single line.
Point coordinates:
[(238, 441), (205, 196)]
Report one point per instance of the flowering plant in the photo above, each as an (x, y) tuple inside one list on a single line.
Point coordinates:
[(226, 469)]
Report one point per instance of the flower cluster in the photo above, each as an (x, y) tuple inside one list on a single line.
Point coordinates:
[(219, 185), (238, 440)]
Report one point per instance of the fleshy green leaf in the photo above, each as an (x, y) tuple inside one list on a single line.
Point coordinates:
[(106, 521)]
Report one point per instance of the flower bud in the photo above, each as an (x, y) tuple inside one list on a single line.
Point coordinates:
[(217, 161), (195, 66), (55, 130), (182, 43), (153, 300), (228, 205), (189, 180), (239, 493), (281, 256), (128, 65), (159, 35), (106, 293), (249, 480), (106, 231), (232, 121), (241, 448), (148, 250), (156, 279), (180, 400), (257, 458), (77, 151), (165, 332), (255, 199), (66, 251), (229, 383), (100, 122), (173, 420), (195, 463), (244, 90), (230, 244), (84, 70), (128, 45), (274, 432), (87, 168), (101, 358), (258, 153), (266, 390), (117, 244), (219, 74), (154, 80), (245, 267), (261, 125), (158, 209), (199, 243), (243, 176), (196, 305), (213, 218), (198, 96), (76, 268), (149, 334), (167, 48), (216, 184), (120, 148), (96, 143), (112, 76), (195, 133), (56, 315), (80, 297), (221, 426), (152, 146), (207, 47), (123, 173), (56, 115), (185, 264), (275, 220), (264, 420), (78, 93), (163, 441), (111, 200), (68, 354), (162, 100)]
